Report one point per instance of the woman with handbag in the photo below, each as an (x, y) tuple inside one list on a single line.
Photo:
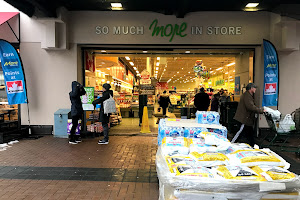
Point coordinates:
[(104, 118)]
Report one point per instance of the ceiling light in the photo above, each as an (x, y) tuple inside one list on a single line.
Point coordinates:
[(103, 51), (145, 51), (164, 69), (189, 72), (187, 51), (127, 58), (230, 76), (116, 5), (252, 5), (157, 64), (108, 68), (209, 68), (137, 71), (181, 68), (233, 70), (219, 68), (177, 72), (157, 68), (134, 68), (158, 58), (231, 64), (226, 73), (132, 64)]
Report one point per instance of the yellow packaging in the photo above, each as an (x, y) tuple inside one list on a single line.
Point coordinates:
[(255, 155), (187, 170), (274, 173), (209, 156), (171, 160), (175, 142), (239, 173)]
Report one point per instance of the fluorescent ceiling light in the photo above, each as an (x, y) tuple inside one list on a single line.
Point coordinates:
[(231, 64), (252, 5), (116, 5), (189, 72), (103, 51), (226, 73), (158, 58), (145, 51), (219, 68), (127, 58), (157, 68), (233, 70), (157, 64), (131, 63), (177, 72), (187, 51), (134, 68)]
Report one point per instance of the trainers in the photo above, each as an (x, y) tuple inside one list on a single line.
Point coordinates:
[(102, 142), (73, 142), (78, 140)]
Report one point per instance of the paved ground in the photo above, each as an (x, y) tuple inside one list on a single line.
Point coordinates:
[(50, 168)]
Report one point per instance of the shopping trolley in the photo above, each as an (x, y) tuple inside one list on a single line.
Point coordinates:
[(280, 139)]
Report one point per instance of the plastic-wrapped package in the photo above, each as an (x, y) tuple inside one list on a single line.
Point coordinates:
[(197, 187), (239, 173), (254, 157), (209, 159), (175, 145), (238, 146), (188, 170), (179, 160), (198, 145), (207, 117), (221, 131), (274, 173), (193, 132)]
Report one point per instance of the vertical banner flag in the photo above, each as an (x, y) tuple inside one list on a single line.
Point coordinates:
[(270, 95), (13, 74)]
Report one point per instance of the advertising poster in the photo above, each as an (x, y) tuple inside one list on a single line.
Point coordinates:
[(270, 95), (237, 85), (13, 74), (88, 98)]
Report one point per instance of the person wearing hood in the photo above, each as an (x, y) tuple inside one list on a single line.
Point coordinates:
[(104, 118), (76, 109), (164, 101)]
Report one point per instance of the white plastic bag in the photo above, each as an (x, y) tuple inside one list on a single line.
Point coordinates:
[(274, 113), (109, 105), (286, 125)]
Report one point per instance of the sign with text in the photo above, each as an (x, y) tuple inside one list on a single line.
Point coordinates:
[(147, 89), (237, 85), (145, 78), (13, 74), (88, 98), (270, 95)]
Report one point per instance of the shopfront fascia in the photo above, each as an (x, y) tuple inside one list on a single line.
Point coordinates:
[(142, 30)]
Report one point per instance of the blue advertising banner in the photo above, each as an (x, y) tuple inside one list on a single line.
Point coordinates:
[(237, 85), (13, 74), (270, 95)]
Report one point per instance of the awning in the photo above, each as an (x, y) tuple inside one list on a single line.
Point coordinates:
[(5, 16)]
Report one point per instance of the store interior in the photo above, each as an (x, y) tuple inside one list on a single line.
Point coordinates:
[(180, 72)]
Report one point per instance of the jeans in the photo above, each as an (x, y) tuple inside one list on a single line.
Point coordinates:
[(248, 133), (105, 131), (75, 119)]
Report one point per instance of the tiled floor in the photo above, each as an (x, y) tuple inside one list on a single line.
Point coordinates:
[(50, 168)]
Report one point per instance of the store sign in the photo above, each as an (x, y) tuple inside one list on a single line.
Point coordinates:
[(270, 96), (13, 74), (88, 98), (169, 31), (220, 82), (147, 89), (145, 78)]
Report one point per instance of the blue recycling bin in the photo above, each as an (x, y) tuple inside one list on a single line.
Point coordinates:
[(61, 123)]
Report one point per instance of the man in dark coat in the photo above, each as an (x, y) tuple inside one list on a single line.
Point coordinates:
[(104, 118), (164, 101), (202, 100), (76, 109), (245, 114)]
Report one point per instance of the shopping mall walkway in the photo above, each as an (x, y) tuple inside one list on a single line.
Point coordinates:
[(50, 168)]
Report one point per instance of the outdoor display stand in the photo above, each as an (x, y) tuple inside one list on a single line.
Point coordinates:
[(184, 176)]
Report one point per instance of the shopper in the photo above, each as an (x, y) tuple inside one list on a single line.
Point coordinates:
[(104, 118), (76, 109), (202, 100), (164, 101), (245, 114), (215, 102)]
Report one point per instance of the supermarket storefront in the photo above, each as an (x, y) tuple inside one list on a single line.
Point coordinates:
[(52, 49)]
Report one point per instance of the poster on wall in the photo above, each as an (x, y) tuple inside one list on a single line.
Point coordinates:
[(237, 85), (145, 78), (13, 74), (88, 98), (89, 61), (270, 94)]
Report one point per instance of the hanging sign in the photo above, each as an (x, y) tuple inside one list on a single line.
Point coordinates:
[(88, 98), (13, 74), (237, 85), (270, 96), (145, 78)]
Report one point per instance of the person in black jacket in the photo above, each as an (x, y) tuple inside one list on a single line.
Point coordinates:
[(76, 109), (201, 100), (164, 101), (104, 118), (215, 102)]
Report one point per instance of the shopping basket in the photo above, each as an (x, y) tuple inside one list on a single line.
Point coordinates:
[(280, 139)]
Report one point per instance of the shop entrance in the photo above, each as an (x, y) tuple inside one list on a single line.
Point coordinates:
[(179, 72)]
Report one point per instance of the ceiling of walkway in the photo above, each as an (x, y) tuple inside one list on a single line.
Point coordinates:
[(179, 8)]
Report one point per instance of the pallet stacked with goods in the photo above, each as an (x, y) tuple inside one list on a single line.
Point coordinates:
[(195, 160)]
